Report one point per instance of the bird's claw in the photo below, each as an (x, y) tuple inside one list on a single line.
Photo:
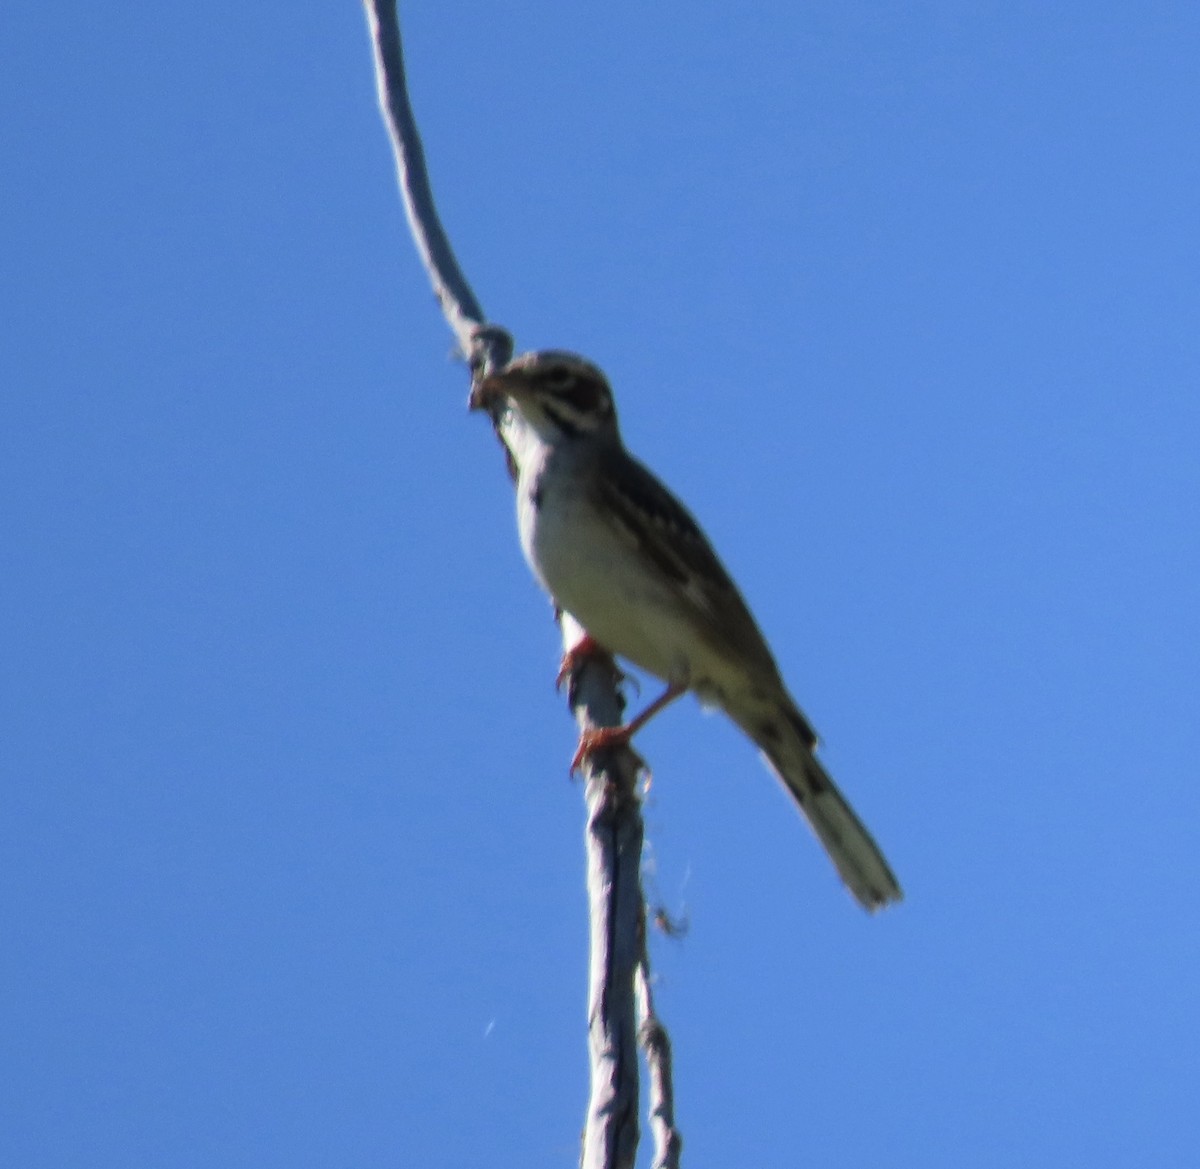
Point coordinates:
[(605, 739), (584, 650)]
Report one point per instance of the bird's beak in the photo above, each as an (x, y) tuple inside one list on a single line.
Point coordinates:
[(486, 392)]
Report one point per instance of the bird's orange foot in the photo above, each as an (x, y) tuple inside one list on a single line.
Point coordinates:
[(582, 651), (604, 739)]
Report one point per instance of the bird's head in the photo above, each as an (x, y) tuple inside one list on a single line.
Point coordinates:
[(560, 395)]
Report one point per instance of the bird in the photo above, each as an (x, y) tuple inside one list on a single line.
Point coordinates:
[(614, 548)]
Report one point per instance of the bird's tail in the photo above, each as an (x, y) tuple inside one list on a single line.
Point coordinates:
[(787, 743)]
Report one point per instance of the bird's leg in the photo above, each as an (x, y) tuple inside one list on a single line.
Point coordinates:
[(600, 738), (586, 648)]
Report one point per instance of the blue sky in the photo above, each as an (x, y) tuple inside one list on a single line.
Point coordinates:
[(902, 299)]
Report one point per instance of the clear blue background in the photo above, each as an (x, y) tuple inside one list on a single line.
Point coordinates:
[(904, 300)]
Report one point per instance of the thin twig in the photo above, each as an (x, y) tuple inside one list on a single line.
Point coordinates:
[(668, 1143), (486, 346)]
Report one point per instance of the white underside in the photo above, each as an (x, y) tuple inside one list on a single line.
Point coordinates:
[(592, 571)]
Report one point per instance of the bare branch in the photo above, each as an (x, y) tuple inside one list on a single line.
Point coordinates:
[(619, 977), (486, 346), (668, 1143), (614, 826), (617, 915)]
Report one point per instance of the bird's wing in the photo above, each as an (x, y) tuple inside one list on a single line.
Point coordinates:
[(666, 534)]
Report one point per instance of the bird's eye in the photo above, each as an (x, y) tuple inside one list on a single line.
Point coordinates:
[(557, 378), (585, 394)]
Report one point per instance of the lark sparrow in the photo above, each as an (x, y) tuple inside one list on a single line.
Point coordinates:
[(615, 549)]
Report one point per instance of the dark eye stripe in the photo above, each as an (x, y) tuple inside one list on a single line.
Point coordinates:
[(590, 396), (556, 379), (585, 395), (561, 421)]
